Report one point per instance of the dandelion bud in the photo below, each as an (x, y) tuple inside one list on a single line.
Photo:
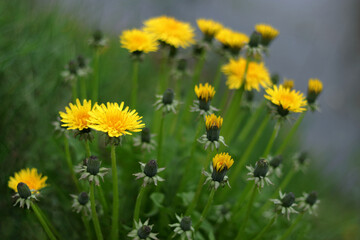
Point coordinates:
[(275, 78), (288, 200), (93, 165), (83, 198), (261, 168), (81, 61), (151, 168), (314, 89), (185, 224), (168, 96), (145, 135), (213, 134), (311, 198), (276, 161), (72, 67), (198, 49), (218, 176), (97, 35), (255, 39), (303, 157), (181, 64), (23, 190), (144, 232)]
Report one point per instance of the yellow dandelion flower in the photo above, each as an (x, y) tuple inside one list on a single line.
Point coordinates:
[(209, 27), (171, 31), (77, 116), (268, 33), (315, 86), (232, 39), (205, 92), (138, 40), (115, 120), (257, 75), (222, 160), (288, 100), (34, 180), (213, 121), (288, 83)]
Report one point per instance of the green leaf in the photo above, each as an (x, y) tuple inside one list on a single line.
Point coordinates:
[(158, 199)]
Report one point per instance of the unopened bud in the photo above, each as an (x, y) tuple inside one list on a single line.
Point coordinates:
[(185, 224), (261, 168), (23, 190), (151, 168), (168, 96), (93, 165), (288, 200)]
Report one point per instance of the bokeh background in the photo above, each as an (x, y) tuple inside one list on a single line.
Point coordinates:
[(317, 39)]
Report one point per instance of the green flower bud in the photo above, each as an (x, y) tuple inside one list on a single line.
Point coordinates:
[(83, 198), (181, 64), (219, 176), (302, 158), (311, 198), (276, 161), (281, 111), (81, 61), (204, 105), (93, 165), (261, 168), (255, 39), (145, 135), (288, 200), (213, 134), (97, 35), (72, 66), (168, 96), (185, 224), (144, 232), (23, 190), (275, 78), (198, 49), (151, 168)]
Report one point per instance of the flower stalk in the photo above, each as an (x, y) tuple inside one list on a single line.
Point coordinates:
[(272, 139), (42, 221), (93, 212), (138, 203), (69, 162), (206, 209), (160, 139), (135, 76), (291, 228), (265, 229), (95, 82), (115, 212)]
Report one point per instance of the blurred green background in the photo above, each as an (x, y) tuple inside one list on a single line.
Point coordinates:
[(38, 39)]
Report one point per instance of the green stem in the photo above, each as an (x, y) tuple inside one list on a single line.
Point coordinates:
[(87, 148), (244, 195), (52, 228), (115, 212), (250, 123), (164, 72), (93, 212), (74, 90), (87, 226), (247, 215), (135, 76), (69, 162), (103, 199), (206, 209), (281, 186), (95, 83), (291, 228), (83, 87), (42, 221), (138, 204), (290, 134), (251, 146), (272, 139), (217, 78), (195, 199), (264, 230), (160, 139)]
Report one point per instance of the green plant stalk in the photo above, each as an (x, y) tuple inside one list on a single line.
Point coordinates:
[(93, 212), (216, 83), (199, 187), (69, 162), (264, 230), (74, 91), (272, 139), (244, 195), (134, 90), (281, 186), (164, 73), (52, 228), (160, 139), (247, 214), (115, 212), (291, 228), (42, 221), (95, 82), (235, 130), (290, 134), (83, 87), (206, 209), (87, 149), (250, 123), (251, 146), (138, 204), (195, 80), (87, 227)]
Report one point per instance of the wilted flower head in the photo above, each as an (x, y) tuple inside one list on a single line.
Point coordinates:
[(70, 73), (81, 203), (301, 161), (275, 165), (92, 170), (183, 227), (166, 101), (259, 174), (309, 202), (26, 183), (221, 163), (142, 231), (170, 31), (285, 204), (268, 33), (149, 172), (257, 75), (138, 41), (286, 100), (145, 140), (209, 28)]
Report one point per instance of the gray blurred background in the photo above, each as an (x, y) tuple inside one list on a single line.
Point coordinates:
[(317, 39)]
